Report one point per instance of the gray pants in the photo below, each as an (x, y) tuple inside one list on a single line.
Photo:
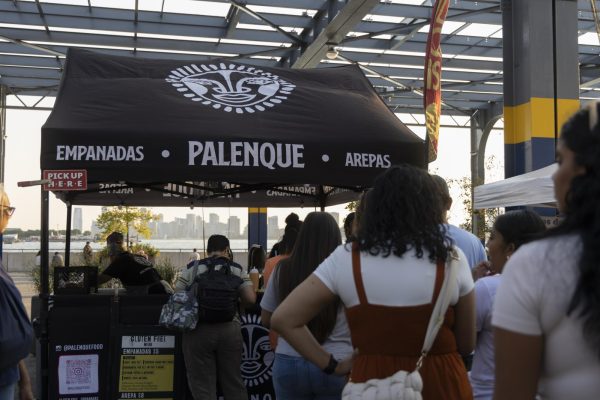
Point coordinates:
[(214, 351)]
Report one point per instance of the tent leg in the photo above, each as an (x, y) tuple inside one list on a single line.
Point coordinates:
[(44, 272), (68, 236)]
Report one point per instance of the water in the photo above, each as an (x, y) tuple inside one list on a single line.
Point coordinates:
[(185, 245)]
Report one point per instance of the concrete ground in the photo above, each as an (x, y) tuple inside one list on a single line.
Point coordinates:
[(25, 286)]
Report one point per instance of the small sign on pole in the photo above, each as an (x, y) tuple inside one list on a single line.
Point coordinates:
[(65, 179)]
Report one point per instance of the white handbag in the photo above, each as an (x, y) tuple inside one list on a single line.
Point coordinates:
[(404, 385)]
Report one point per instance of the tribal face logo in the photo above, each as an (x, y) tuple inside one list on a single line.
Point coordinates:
[(257, 356), (230, 87)]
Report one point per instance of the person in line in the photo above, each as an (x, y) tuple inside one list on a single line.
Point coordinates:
[(256, 258), (547, 309), (294, 377), (17, 375), (214, 350), (510, 231), (285, 247), (292, 221), (389, 290), (349, 227), (57, 260), (470, 244), (194, 256), (135, 272), (88, 253)]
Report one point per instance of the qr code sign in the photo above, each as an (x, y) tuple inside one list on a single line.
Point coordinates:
[(78, 374)]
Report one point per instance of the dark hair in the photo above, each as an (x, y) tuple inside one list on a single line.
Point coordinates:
[(289, 238), (519, 227), (401, 213), (359, 214), (582, 216), (115, 237), (318, 237), (293, 220), (256, 257), (348, 222), (443, 192), (217, 243)]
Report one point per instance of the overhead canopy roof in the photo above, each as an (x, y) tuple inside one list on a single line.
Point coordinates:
[(387, 37), (225, 132)]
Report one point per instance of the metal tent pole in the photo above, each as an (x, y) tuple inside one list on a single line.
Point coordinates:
[(43, 380), (68, 235)]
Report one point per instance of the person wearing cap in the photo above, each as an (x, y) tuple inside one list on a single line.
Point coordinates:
[(135, 272), (17, 375)]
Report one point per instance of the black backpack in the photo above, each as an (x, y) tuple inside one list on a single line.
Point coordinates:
[(217, 293)]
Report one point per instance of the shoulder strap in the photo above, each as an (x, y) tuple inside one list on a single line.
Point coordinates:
[(360, 287), (440, 274), (194, 274), (441, 305)]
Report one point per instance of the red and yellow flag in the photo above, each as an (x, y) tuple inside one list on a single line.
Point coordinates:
[(433, 75)]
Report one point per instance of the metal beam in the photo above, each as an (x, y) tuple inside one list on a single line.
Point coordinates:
[(338, 28), (32, 46), (273, 25), (233, 17)]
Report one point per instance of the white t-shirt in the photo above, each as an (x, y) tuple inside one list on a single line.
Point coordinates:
[(388, 281), (537, 286), (338, 343), (482, 372)]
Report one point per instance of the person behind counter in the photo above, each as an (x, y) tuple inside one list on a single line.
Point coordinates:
[(135, 272)]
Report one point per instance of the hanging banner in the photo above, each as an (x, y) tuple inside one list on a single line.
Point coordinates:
[(433, 76)]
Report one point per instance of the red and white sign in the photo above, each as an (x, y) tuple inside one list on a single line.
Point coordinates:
[(65, 179)]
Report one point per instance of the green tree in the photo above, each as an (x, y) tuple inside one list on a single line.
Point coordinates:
[(465, 186), (123, 219)]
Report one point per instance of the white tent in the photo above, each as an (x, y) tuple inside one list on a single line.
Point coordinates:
[(534, 188)]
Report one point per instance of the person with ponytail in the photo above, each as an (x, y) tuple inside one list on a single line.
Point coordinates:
[(546, 314)]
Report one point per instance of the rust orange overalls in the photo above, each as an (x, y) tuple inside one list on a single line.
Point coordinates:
[(390, 338)]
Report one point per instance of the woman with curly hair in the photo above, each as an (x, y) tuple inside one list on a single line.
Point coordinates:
[(388, 279), (547, 308)]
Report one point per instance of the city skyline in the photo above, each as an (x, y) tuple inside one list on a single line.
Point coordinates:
[(23, 138)]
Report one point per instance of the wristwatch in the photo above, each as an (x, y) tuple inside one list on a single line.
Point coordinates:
[(330, 368)]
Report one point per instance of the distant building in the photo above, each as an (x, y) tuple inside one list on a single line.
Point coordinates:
[(273, 227), (95, 229), (233, 224), (190, 225), (77, 219)]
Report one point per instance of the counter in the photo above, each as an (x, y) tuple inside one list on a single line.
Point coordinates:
[(110, 347)]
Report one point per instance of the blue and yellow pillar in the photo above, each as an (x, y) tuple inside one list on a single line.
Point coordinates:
[(541, 79), (257, 227)]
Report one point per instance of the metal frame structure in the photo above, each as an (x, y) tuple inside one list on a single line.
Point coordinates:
[(386, 37)]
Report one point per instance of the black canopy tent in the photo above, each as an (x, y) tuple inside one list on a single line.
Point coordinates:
[(161, 132), (215, 133)]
